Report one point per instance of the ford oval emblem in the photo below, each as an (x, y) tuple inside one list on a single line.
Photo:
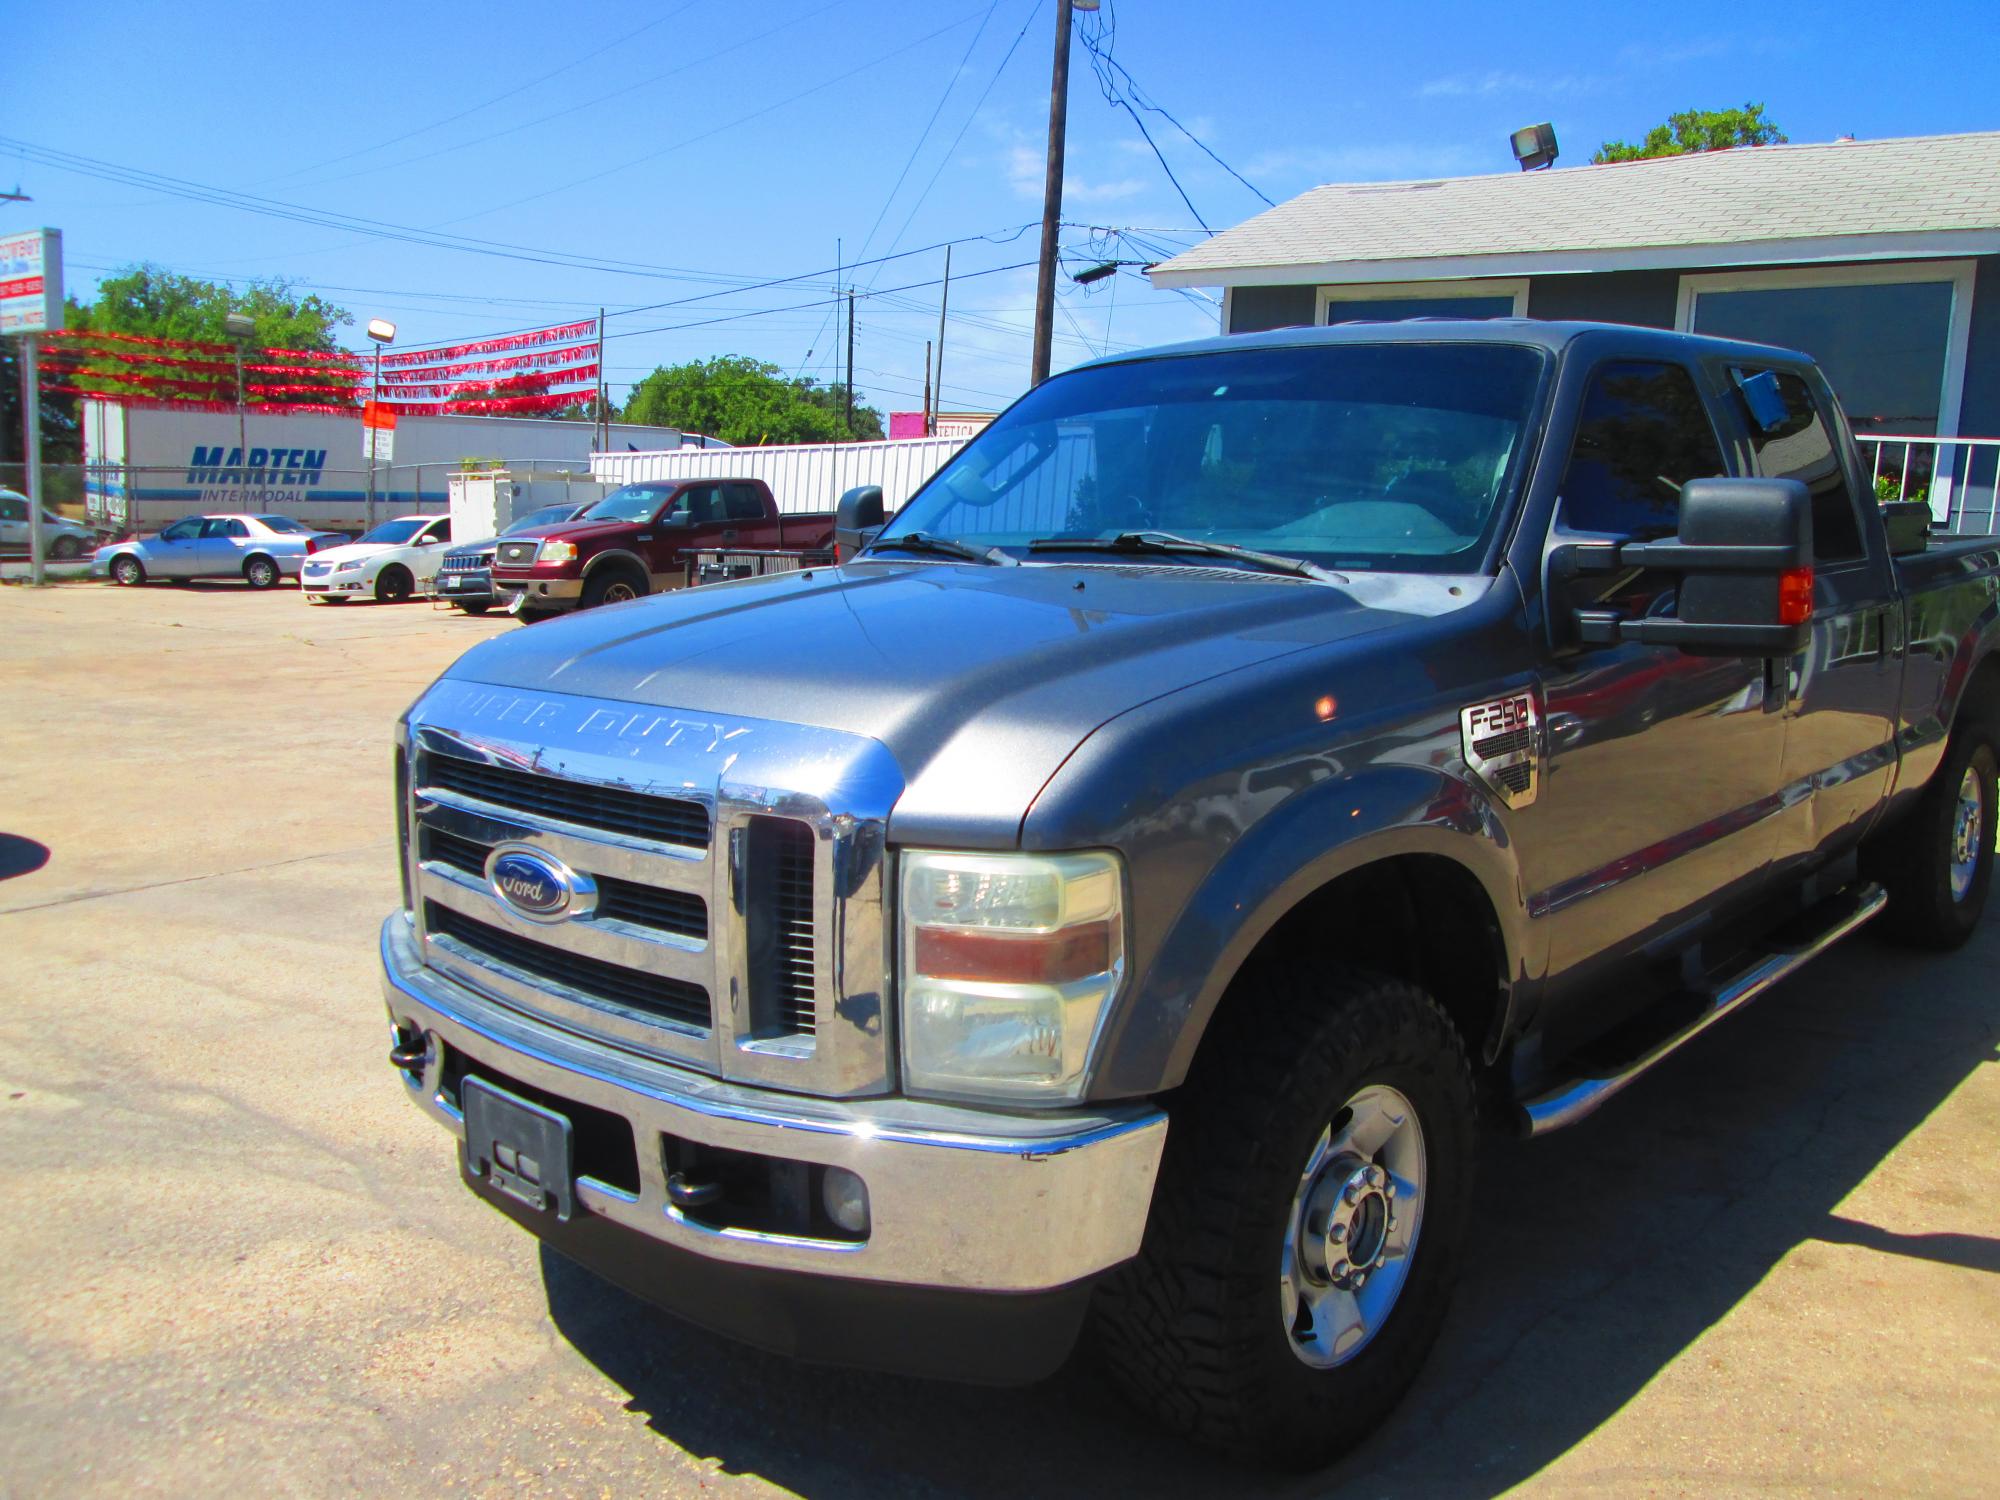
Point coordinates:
[(531, 884)]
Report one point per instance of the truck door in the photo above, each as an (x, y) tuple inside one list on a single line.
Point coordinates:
[(1663, 768), (1841, 694)]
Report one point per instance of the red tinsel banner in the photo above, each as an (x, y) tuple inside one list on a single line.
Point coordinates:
[(396, 395), (221, 369), (541, 360), (85, 335), (155, 403), (564, 333), (550, 401)]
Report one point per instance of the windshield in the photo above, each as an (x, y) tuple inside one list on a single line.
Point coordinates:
[(394, 532), (1357, 456), (635, 502), (548, 515), (283, 524)]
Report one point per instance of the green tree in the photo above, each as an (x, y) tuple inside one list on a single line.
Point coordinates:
[(1698, 130), (61, 440), (159, 304), (747, 402)]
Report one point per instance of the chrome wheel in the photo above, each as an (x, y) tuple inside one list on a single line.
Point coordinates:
[(618, 591), (126, 570), (1967, 819), (1353, 1227)]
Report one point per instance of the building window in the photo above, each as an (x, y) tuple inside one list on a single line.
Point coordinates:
[(1429, 299), (1891, 339)]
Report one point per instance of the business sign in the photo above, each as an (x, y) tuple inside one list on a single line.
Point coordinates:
[(378, 432), (31, 297)]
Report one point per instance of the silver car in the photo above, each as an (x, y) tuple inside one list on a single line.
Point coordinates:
[(258, 549), (61, 540)]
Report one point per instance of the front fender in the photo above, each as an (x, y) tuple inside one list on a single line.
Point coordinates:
[(618, 556), (1324, 832)]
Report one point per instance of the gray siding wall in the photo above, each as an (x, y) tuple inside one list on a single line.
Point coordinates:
[(1979, 412), (1252, 309), (1645, 298)]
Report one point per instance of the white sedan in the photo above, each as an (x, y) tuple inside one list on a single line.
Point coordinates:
[(387, 564)]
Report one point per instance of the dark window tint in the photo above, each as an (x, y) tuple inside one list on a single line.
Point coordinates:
[(1800, 446), (702, 503), (12, 509), (745, 504), (1642, 435)]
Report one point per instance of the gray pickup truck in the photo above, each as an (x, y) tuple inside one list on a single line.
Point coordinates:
[(1114, 900)]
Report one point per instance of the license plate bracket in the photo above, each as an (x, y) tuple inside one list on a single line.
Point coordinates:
[(518, 1147)]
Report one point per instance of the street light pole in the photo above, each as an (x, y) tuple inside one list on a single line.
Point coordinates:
[(240, 330), (382, 331), (1052, 189)]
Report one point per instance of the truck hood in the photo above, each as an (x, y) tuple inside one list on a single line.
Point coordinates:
[(980, 681), (579, 531)]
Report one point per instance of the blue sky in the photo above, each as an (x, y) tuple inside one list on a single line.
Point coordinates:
[(703, 146)]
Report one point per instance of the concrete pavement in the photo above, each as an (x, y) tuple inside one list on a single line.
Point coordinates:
[(235, 1258)]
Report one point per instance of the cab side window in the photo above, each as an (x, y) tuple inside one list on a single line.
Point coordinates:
[(699, 503), (1798, 444), (743, 503), (12, 509), (1642, 434)]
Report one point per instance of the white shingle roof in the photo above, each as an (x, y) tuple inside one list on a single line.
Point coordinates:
[(1944, 188)]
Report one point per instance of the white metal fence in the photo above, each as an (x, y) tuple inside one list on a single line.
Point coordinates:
[(1959, 477), (806, 478)]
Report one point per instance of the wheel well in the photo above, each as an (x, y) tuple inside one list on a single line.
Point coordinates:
[(1417, 917), (615, 562), (389, 568), (1980, 703), (258, 557)]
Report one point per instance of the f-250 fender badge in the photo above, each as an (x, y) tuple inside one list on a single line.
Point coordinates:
[(1502, 741)]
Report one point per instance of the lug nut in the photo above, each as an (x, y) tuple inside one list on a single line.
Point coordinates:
[(1375, 1175), (1388, 1190), (1337, 1233), (1360, 1280), (1351, 1194), (1340, 1269), (1392, 1223)]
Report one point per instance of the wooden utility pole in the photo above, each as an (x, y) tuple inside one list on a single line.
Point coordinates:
[(1052, 190), (944, 305), (850, 364)]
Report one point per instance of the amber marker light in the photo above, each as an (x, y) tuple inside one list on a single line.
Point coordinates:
[(1324, 707), (1795, 596)]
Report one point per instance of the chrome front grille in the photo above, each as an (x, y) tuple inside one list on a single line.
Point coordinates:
[(517, 554), (736, 929), (467, 562)]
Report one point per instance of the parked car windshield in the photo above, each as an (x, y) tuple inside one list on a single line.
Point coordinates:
[(1393, 456), (395, 532), (284, 525), (548, 515), (635, 502)]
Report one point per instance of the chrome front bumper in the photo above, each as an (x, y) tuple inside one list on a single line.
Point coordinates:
[(960, 1198)]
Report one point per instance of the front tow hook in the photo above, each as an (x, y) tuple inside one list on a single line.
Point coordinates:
[(409, 1056)]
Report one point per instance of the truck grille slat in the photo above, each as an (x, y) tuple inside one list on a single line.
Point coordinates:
[(668, 820), (630, 989), (680, 912)]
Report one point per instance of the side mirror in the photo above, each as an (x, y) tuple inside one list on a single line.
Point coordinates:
[(856, 519), (1908, 523), (1744, 553)]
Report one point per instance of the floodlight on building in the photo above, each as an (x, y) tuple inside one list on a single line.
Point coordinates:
[(1534, 146)]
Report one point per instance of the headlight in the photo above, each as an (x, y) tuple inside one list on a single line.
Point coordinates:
[(349, 567), (1009, 963), (556, 552)]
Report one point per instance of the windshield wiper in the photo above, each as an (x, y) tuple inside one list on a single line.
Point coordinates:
[(940, 546), (1169, 542)]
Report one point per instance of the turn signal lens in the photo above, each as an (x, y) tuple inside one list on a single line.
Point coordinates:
[(1795, 596)]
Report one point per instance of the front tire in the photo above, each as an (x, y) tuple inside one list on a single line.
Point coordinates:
[(475, 609), (1321, 1090), (261, 573), (611, 586), (1937, 864), (394, 585), (65, 549), (128, 571)]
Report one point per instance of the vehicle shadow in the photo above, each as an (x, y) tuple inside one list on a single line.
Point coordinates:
[(1597, 1257), (20, 856)]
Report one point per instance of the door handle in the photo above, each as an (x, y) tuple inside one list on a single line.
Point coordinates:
[(729, 537)]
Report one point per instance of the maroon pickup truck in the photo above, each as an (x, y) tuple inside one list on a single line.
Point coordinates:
[(638, 540)]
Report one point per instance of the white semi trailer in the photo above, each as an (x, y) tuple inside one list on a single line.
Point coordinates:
[(149, 464)]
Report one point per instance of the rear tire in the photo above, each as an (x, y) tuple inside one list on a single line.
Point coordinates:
[(612, 586), (65, 549), (394, 585), (261, 572), (1198, 1328), (128, 571), (1937, 863)]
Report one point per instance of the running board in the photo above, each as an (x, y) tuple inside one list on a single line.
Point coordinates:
[(1572, 1101)]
